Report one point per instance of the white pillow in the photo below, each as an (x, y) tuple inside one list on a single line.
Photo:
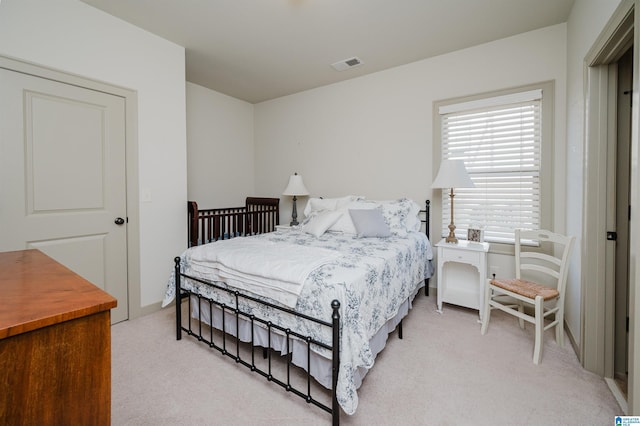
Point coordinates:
[(319, 204), (369, 223), (344, 224), (320, 222)]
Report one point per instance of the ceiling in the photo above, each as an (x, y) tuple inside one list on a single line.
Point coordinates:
[(256, 50)]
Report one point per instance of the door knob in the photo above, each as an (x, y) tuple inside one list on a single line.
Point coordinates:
[(119, 221)]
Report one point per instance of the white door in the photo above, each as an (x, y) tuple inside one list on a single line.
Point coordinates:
[(62, 178)]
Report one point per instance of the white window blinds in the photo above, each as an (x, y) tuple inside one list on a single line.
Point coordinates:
[(499, 140)]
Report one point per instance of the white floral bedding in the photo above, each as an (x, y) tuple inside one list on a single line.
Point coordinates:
[(371, 278)]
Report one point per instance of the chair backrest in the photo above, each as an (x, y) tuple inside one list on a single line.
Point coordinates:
[(550, 258)]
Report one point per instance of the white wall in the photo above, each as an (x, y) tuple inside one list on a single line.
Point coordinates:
[(372, 135), (220, 153), (71, 36)]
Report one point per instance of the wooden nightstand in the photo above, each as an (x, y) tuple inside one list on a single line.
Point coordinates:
[(462, 272)]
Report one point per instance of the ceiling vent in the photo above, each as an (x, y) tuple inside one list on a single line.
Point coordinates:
[(345, 64)]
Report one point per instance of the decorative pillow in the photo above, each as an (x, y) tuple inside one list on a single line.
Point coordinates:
[(344, 224), (369, 223), (413, 219), (318, 223), (401, 216)]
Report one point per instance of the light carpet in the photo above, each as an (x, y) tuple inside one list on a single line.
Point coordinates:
[(444, 372)]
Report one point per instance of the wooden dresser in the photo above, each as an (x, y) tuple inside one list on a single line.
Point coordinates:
[(55, 344)]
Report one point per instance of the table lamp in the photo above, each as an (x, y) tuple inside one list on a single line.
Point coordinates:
[(295, 187), (452, 174)]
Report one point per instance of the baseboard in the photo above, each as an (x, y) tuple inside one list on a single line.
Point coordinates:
[(617, 394), (146, 310), (572, 341)]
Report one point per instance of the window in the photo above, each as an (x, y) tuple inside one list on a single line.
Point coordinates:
[(503, 140)]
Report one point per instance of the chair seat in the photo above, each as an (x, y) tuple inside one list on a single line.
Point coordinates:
[(526, 288)]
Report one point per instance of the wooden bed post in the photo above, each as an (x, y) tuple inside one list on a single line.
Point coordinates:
[(178, 299), (192, 224)]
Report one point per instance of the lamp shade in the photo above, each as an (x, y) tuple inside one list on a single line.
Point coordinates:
[(452, 174), (295, 186)]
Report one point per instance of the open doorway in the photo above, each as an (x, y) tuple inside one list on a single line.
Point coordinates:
[(618, 222), (606, 241)]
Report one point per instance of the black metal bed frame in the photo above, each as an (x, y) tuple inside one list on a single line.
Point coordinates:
[(233, 350)]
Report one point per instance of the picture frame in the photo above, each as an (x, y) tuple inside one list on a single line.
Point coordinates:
[(475, 234)]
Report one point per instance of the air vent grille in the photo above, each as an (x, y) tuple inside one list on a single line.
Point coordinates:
[(346, 64)]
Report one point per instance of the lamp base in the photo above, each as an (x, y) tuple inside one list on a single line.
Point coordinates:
[(451, 238), (294, 213)]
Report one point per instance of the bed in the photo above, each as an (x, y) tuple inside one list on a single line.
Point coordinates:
[(332, 290)]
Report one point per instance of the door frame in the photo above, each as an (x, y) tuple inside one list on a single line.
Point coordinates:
[(131, 168), (597, 307)]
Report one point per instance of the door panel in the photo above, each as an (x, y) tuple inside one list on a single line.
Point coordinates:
[(57, 136), (62, 178)]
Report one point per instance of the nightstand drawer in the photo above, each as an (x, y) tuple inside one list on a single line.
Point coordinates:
[(462, 256)]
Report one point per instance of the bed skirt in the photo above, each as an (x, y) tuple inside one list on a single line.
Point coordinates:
[(321, 365)]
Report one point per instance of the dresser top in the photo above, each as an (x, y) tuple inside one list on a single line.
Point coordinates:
[(465, 245), (36, 291)]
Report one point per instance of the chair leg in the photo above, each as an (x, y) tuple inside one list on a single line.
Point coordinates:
[(521, 310), (539, 321), (487, 308), (560, 327)]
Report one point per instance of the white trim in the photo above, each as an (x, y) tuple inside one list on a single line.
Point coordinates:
[(617, 394), (511, 98)]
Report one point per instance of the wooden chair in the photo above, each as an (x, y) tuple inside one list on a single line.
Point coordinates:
[(549, 260)]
